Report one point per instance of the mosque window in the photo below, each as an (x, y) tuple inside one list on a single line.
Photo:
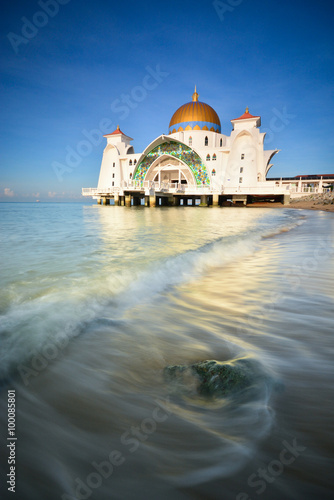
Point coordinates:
[(113, 164), (241, 169), (213, 172), (214, 157), (113, 184), (221, 142), (130, 175), (135, 162), (242, 156), (208, 157), (130, 163), (113, 176), (190, 141), (240, 180), (206, 141)]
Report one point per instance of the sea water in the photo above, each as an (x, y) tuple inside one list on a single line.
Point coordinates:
[(96, 301)]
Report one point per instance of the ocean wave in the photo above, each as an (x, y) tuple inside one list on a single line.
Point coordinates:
[(47, 308)]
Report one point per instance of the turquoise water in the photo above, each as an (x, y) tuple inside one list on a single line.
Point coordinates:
[(96, 301)]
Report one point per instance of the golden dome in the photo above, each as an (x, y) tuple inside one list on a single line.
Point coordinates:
[(194, 115)]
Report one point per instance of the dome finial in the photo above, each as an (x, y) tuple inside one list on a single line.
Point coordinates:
[(247, 109), (195, 95), (118, 127)]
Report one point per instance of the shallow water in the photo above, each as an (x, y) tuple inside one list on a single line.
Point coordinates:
[(96, 301)]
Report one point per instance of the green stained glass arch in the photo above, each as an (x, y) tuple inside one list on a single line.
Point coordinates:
[(176, 150)]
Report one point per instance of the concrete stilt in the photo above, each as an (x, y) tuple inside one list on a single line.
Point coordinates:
[(116, 200), (128, 200), (99, 201), (215, 200), (106, 201), (204, 200), (240, 198), (286, 199), (152, 201)]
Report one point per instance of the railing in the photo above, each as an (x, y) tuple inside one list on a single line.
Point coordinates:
[(192, 189), (133, 185), (99, 191), (305, 189), (164, 187)]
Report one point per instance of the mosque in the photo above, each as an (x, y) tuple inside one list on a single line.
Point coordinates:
[(195, 164)]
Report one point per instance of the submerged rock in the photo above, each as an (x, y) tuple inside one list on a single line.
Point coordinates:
[(213, 378)]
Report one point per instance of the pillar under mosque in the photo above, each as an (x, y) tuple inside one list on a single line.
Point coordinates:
[(116, 200), (99, 201), (128, 200), (152, 201), (204, 200), (147, 201), (215, 200), (106, 201), (286, 199)]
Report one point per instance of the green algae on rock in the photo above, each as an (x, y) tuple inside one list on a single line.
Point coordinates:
[(213, 378)]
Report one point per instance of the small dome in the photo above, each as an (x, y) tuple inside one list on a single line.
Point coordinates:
[(195, 115)]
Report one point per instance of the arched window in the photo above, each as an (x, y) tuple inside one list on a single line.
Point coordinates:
[(130, 175), (206, 141), (135, 162), (221, 143), (208, 157), (214, 157), (213, 172), (130, 163), (190, 141), (242, 156)]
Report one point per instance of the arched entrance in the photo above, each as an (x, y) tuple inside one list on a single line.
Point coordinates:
[(168, 170), (186, 157)]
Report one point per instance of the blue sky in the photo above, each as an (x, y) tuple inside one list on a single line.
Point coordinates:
[(68, 76)]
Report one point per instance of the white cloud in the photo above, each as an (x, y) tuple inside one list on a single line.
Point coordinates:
[(8, 192)]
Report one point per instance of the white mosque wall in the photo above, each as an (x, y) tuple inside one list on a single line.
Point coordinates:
[(248, 123), (110, 168), (233, 162), (196, 138)]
